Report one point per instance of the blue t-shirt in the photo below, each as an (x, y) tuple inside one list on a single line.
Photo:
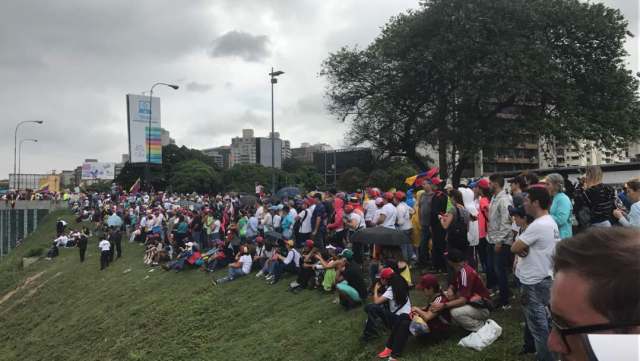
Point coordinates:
[(319, 211)]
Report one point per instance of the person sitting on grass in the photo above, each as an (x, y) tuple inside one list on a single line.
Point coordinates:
[(423, 320), (307, 271), (350, 284), (239, 268), (282, 264), (391, 290), (266, 258), (469, 300), (329, 267)]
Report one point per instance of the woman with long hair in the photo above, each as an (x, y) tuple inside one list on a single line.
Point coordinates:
[(396, 316)]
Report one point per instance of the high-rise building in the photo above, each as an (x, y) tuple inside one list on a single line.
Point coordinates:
[(165, 137), (221, 155), (249, 149), (305, 152)]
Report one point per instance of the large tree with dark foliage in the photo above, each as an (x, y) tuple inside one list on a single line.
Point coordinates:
[(471, 75)]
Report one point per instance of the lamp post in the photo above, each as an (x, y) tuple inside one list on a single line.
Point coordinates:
[(274, 80), (20, 157), (15, 143), (147, 170)]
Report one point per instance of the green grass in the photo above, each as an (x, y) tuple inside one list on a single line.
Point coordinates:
[(73, 311)]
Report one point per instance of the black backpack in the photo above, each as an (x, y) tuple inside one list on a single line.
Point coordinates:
[(457, 232)]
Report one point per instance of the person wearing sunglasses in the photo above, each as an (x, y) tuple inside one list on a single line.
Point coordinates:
[(595, 291)]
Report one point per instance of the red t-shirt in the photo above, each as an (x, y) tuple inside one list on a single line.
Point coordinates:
[(440, 323), (483, 212), (468, 283)]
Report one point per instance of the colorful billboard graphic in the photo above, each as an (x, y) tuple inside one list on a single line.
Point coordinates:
[(144, 142), (98, 170)]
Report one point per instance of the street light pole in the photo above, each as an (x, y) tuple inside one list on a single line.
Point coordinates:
[(20, 157), (147, 169), (274, 80), (15, 144)]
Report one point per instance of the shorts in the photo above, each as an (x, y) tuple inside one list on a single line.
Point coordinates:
[(349, 291)]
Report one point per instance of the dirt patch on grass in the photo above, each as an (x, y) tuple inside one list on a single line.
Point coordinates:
[(27, 283)]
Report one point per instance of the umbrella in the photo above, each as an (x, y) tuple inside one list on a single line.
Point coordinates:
[(274, 235), (289, 192), (248, 201), (380, 235)]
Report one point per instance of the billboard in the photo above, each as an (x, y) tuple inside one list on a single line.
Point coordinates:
[(141, 138), (97, 170)]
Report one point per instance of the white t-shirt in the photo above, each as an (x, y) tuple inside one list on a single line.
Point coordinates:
[(259, 212), (370, 210), (541, 236), (215, 227), (393, 307), (359, 220), (104, 245), (404, 216), (277, 219), (157, 220), (390, 212), (293, 213), (293, 256), (246, 261), (305, 226)]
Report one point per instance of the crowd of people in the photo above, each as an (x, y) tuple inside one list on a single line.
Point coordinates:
[(477, 242)]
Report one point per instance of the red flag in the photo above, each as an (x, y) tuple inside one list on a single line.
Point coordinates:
[(135, 188)]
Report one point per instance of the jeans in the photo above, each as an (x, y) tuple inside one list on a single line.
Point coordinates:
[(235, 273), (491, 260), (423, 250), (535, 299), (502, 266), (407, 248)]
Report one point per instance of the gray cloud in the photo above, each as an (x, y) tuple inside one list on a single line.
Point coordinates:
[(241, 44), (198, 87)]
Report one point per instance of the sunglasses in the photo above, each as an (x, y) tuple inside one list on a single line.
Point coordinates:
[(558, 326)]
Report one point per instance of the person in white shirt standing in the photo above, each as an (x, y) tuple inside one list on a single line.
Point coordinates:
[(536, 246), (388, 213), (105, 253), (403, 219), (370, 207)]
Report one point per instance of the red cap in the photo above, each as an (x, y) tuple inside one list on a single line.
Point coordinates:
[(374, 192), (388, 196), (400, 195), (309, 243), (484, 183), (427, 281), (348, 208), (386, 273)]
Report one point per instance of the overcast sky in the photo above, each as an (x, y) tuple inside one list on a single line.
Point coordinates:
[(71, 62)]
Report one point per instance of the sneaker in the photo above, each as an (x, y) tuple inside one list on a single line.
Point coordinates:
[(294, 284), (385, 353), (259, 274), (391, 358), (269, 278), (506, 307)]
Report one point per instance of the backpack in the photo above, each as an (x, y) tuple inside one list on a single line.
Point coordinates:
[(457, 232), (298, 222)]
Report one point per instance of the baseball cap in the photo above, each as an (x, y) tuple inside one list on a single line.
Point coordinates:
[(346, 253), (388, 196), (517, 211), (386, 273), (309, 243), (427, 281), (379, 201), (400, 195), (455, 255), (289, 242)]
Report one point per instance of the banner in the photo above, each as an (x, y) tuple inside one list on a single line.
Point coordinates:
[(96, 170), (141, 138)]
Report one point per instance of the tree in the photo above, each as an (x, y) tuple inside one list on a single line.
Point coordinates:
[(352, 179), (195, 176), (471, 75)]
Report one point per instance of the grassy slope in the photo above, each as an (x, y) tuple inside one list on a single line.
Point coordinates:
[(80, 313)]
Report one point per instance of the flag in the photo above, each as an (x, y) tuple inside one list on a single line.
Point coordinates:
[(418, 178), (135, 188), (44, 188)]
